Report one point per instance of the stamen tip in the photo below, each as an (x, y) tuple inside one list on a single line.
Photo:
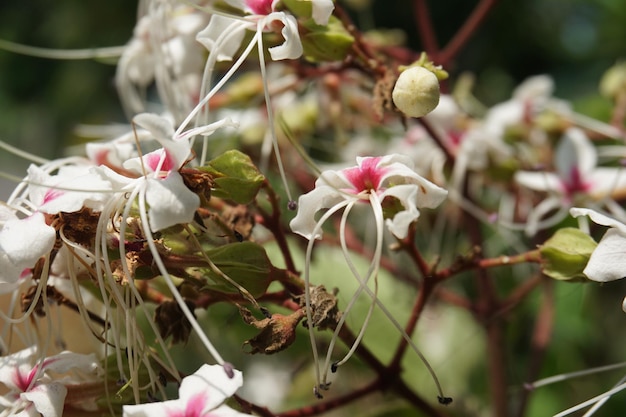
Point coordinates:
[(317, 393), (528, 386), (292, 205), (444, 400), (334, 367), (228, 368), (266, 313)]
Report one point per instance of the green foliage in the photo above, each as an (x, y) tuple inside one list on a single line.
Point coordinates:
[(246, 263), (326, 43), (236, 177)]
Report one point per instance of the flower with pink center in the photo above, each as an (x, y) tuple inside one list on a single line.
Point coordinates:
[(223, 36), (170, 201), (577, 179), (200, 395), (371, 182), (39, 387), (387, 176)]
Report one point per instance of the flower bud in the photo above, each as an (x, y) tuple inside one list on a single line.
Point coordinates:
[(416, 92)]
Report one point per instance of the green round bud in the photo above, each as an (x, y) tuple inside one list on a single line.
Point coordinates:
[(416, 92)]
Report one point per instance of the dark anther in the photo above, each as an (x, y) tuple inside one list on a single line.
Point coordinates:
[(228, 368), (317, 393), (444, 400), (266, 312), (162, 379), (292, 205), (334, 367), (121, 382), (529, 387), (238, 236)]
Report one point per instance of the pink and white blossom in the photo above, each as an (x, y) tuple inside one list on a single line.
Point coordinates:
[(37, 386), (201, 394)]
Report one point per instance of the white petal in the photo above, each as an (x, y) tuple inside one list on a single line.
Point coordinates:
[(309, 204), (608, 260), (222, 36), (226, 411), (399, 171), (159, 409), (69, 191), (22, 243), (18, 363), (47, 398), (160, 127), (292, 47), (598, 218), (540, 181), (322, 9), (607, 182), (170, 201), (575, 151), (65, 361), (408, 195), (212, 381)]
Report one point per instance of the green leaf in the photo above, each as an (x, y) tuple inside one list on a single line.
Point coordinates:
[(236, 177), (326, 43), (246, 263), (566, 253)]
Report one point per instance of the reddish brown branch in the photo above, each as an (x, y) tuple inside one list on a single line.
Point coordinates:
[(466, 31), (425, 27)]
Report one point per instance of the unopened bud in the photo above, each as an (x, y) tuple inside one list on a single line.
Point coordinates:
[(416, 92)]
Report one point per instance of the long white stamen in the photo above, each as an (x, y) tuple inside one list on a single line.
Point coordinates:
[(270, 114), (307, 294), (122, 250), (64, 54), (592, 401), (168, 280), (600, 403), (372, 271), (570, 375), (217, 86)]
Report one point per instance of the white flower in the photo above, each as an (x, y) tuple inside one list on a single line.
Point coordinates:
[(23, 240), (387, 176), (608, 260), (22, 243), (372, 181), (41, 384), (162, 50), (577, 177), (223, 35), (201, 395), (170, 201)]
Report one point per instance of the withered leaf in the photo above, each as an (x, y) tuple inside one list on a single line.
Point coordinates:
[(277, 332)]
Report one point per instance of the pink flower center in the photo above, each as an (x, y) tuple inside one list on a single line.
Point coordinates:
[(193, 408), (367, 176), (154, 158), (261, 7), (575, 182)]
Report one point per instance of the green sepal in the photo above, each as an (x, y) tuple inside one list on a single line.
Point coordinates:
[(246, 263), (302, 9), (331, 42), (236, 177), (566, 253)]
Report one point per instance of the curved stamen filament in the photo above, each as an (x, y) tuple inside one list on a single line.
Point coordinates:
[(372, 271), (168, 280), (307, 294)]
